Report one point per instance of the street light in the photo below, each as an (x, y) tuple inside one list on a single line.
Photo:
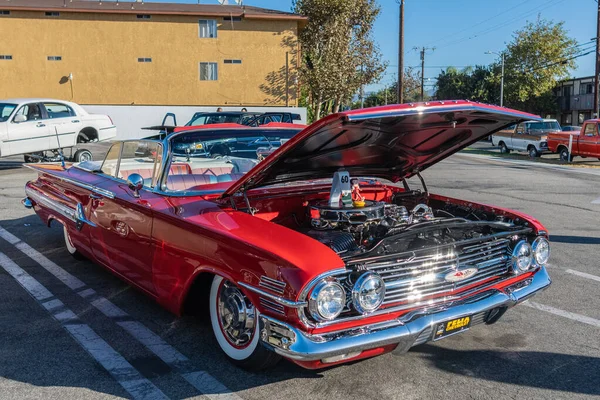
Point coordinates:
[(502, 76)]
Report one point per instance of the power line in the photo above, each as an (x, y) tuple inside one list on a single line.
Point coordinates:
[(486, 20), (559, 62), (537, 9)]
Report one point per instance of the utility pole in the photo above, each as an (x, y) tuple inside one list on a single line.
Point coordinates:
[(596, 82), (423, 51), (501, 77), (400, 86)]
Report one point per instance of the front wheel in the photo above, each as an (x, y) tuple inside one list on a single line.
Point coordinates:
[(565, 156), (82, 155), (234, 320), (504, 149), (533, 153)]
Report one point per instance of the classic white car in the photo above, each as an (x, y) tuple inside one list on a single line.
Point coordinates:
[(34, 127)]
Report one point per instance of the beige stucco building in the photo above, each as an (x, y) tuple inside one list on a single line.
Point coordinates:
[(107, 52)]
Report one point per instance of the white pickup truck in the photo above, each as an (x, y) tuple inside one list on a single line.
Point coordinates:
[(34, 127), (529, 136)]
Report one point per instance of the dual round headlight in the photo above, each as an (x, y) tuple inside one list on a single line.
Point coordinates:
[(541, 250), (525, 255), (328, 298), (368, 293)]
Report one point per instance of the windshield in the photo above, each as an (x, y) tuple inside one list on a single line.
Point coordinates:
[(6, 110), (546, 126), (207, 119), (215, 159)]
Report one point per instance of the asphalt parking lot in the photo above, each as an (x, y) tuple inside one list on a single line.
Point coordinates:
[(547, 348)]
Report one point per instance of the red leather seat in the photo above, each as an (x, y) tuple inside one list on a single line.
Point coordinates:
[(184, 182), (180, 169), (144, 173)]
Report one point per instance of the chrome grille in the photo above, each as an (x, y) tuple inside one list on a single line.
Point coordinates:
[(272, 284), (411, 279)]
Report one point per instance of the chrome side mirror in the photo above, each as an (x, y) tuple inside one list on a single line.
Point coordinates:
[(19, 118), (136, 183)]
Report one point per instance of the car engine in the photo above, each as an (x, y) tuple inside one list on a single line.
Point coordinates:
[(351, 225)]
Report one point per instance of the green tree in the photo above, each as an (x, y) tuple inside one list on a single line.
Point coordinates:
[(540, 55), (477, 84), (339, 54)]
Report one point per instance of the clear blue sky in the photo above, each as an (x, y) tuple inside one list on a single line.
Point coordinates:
[(463, 30)]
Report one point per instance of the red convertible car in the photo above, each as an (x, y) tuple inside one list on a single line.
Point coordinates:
[(321, 253)]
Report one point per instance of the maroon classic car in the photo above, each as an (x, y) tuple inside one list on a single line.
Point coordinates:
[(321, 253)]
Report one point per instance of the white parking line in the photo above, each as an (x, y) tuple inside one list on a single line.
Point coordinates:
[(201, 380), (583, 275), (65, 277), (563, 313), (116, 365)]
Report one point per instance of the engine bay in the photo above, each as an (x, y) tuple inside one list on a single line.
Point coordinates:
[(351, 225)]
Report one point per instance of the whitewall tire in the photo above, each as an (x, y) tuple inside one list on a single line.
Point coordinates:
[(70, 246), (235, 323)]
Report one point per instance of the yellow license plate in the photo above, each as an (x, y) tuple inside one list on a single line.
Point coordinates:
[(451, 327)]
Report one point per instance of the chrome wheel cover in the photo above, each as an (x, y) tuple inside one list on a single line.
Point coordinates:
[(236, 315)]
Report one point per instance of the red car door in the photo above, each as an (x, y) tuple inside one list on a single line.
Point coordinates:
[(589, 140), (122, 239)]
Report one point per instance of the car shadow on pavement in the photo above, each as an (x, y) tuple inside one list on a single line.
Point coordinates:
[(553, 371), (574, 239), (8, 165)]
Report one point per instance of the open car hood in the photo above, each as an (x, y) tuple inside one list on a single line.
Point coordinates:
[(390, 142)]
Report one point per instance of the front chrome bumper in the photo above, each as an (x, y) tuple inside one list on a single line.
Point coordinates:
[(411, 329)]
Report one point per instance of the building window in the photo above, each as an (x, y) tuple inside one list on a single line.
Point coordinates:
[(586, 88), (232, 61), (208, 28), (143, 16), (4, 12), (567, 91), (52, 14), (145, 59), (234, 19), (5, 57), (208, 71), (54, 58)]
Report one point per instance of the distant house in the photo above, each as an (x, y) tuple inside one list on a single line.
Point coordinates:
[(575, 100)]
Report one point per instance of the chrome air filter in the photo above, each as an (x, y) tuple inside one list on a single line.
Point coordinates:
[(322, 215)]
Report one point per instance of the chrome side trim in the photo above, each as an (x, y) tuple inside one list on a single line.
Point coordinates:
[(295, 344), (272, 284), (103, 192), (272, 297), (76, 215)]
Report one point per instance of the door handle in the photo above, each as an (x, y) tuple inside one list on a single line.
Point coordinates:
[(75, 121), (40, 125)]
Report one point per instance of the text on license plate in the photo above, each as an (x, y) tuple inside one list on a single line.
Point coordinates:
[(451, 327)]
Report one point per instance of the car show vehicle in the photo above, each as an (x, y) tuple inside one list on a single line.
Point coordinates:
[(320, 253), (40, 128), (529, 136), (584, 143), (245, 118), (270, 117)]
